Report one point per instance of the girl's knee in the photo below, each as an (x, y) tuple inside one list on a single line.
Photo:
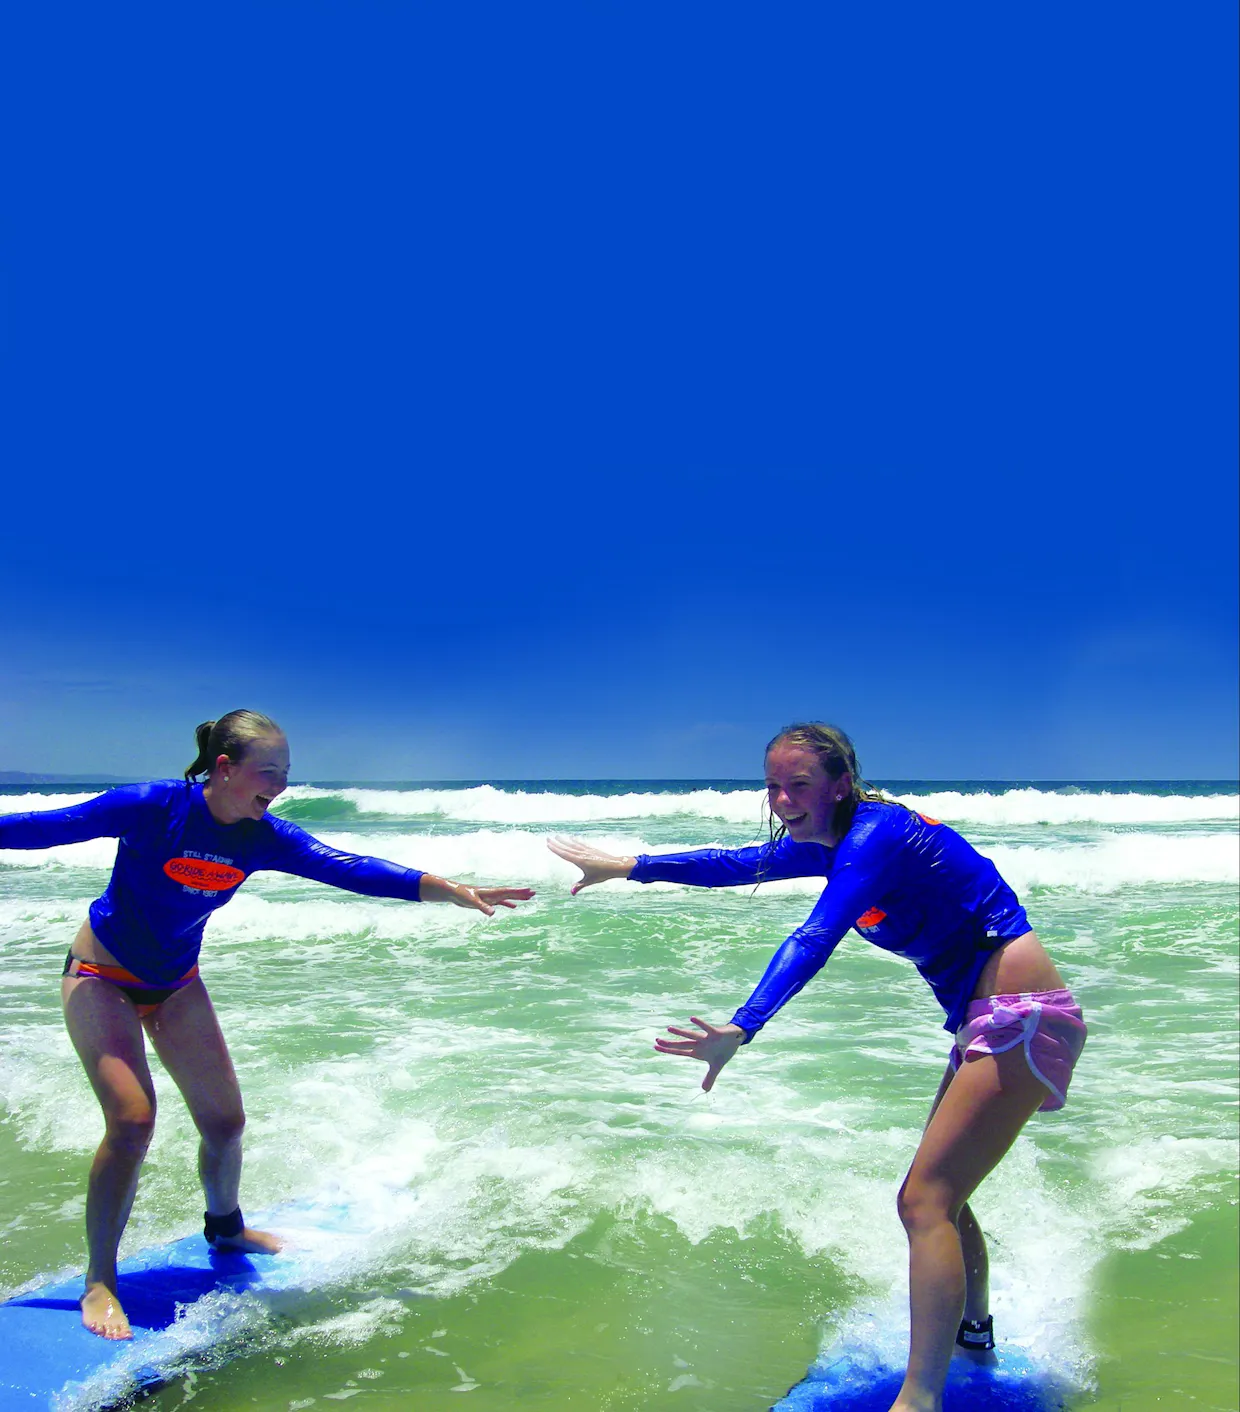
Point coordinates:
[(131, 1131), (922, 1205), (222, 1129)]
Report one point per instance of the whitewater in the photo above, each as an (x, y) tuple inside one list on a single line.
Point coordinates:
[(544, 1212)]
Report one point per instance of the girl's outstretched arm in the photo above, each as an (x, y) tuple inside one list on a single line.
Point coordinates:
[(108, 815), (698, 867), (297, 852)]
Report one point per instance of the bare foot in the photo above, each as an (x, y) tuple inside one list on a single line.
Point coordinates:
[(249, 1243), (102, 1313)]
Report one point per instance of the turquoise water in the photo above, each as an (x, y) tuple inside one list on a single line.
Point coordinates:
[(545, 1213)]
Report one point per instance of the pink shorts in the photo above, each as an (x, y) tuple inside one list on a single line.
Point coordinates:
[(1047, 1022)]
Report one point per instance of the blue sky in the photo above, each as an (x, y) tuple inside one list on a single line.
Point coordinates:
[(590, 389)]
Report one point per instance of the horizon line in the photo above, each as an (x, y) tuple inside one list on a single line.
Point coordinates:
[(62, 777)]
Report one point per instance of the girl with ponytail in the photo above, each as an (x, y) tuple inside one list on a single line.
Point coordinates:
[(910, 885), (131, 974)]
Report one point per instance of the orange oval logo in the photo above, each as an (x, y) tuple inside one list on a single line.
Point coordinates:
[(206, 877), (871, 918), (926, 819)]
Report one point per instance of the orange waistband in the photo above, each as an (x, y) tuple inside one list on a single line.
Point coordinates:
[(118, 975)]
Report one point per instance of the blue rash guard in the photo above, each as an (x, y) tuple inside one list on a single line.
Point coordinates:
[(907, 883), (175, 864)]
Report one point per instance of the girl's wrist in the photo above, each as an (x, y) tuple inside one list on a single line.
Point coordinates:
[(432, 888)]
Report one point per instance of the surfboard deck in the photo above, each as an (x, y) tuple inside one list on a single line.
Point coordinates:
[(851, 1383), (181, 1299), (46, 1348)]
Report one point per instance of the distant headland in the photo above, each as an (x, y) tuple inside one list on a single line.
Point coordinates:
[(82, 777)]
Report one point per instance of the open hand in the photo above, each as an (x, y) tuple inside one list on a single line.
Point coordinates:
[(596, 866), (479, 899), (504, 896), (714, 1046)]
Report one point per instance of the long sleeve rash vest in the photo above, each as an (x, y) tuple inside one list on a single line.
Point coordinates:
[(905, 882), (175, 864)]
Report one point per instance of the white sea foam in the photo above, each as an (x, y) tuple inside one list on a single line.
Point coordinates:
[(95, 853), (1148, 1178), (744, 807), (1035, 806), (463, 1140), (1122, 860), (436, 1201), (488, 804), (27, 803), (1112, 861), (1036, 1285)]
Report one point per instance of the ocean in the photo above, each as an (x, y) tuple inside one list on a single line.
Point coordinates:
[(543, 1213)]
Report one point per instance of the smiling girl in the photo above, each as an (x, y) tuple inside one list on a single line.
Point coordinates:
[(184, 850), (913, 886)]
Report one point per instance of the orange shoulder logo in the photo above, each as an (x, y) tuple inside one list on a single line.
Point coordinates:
[(870, 918), (206, 877), (926, 819)]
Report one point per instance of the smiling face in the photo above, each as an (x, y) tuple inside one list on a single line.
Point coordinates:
[(801, 793), (243, 789)]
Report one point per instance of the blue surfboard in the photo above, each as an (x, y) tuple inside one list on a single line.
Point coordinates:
[(851, 1382), (181, 1299)]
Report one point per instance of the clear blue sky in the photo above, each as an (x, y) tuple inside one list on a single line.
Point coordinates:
[(591, 388)]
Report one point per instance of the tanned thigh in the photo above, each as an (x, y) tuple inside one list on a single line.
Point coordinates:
[(107, 1035), (186, 1035), (975, 1120)]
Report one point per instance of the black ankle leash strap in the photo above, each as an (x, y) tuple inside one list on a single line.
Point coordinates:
[(228, 1227), (977, 1333)]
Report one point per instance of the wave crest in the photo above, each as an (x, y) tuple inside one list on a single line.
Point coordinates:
[(489, 804), (517, 856)]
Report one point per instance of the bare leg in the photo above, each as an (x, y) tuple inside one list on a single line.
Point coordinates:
[(186, 1035), (106, 1033), (977, 1119), (976, 1282), (976, 1258)]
